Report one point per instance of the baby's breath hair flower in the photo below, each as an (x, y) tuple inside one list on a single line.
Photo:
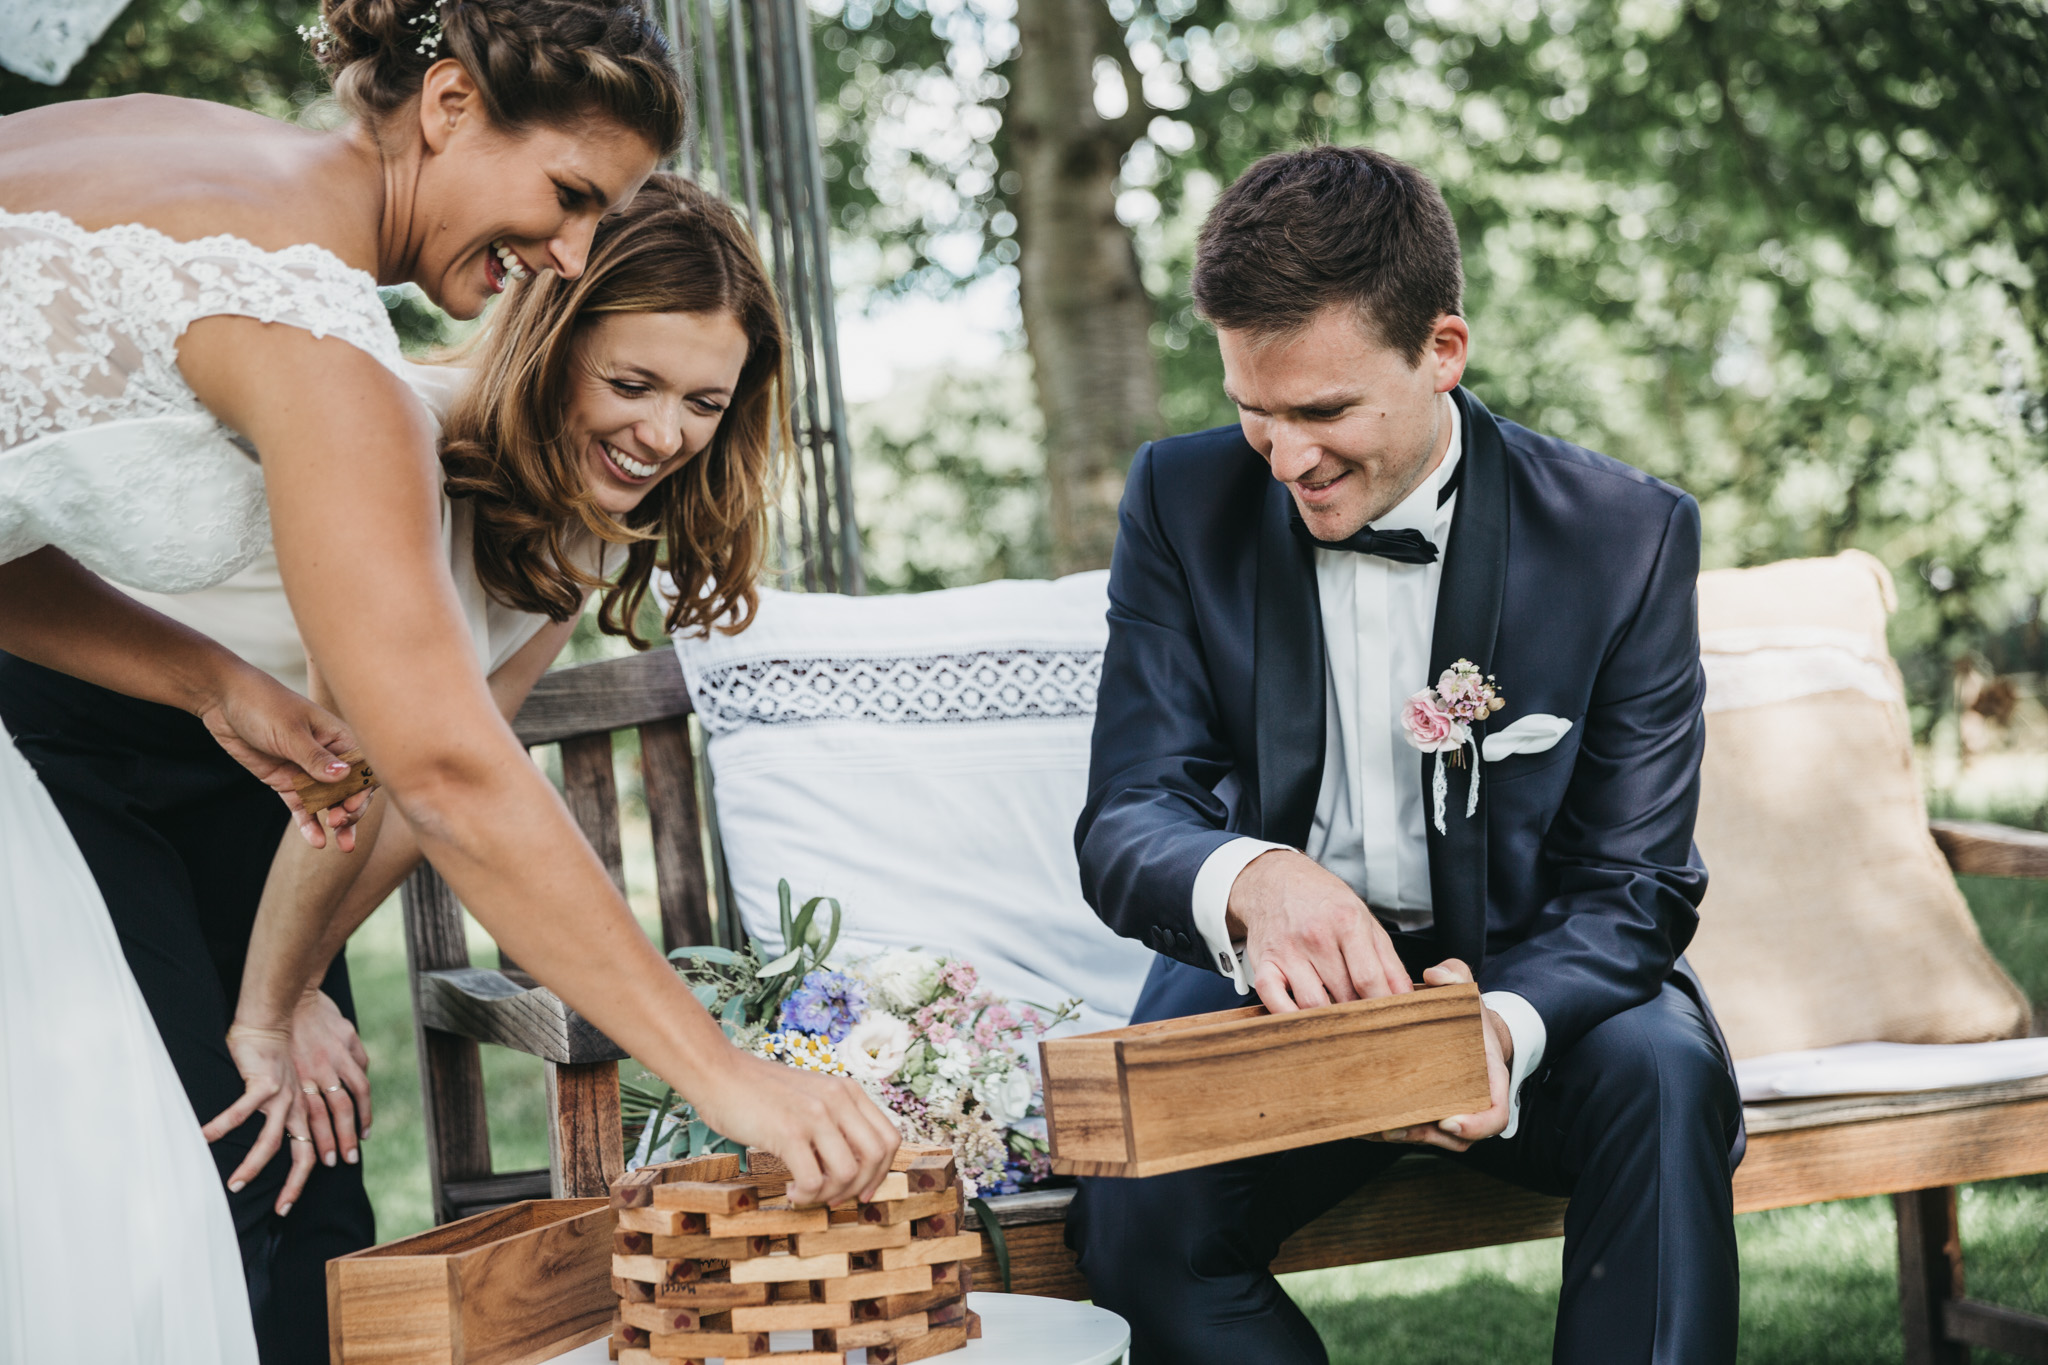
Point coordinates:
[(318, 36), (430, 37)]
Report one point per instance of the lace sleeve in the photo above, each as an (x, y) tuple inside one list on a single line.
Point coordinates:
[(90, 320)]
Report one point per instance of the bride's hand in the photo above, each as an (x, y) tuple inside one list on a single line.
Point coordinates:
[(264, 1057), (836, 1141), (276, 734)]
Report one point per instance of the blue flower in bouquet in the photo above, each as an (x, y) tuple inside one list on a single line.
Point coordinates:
[(829, 1003)]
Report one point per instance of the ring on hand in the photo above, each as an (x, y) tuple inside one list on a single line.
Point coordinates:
[(296, 1138), (332, 1089), (309, 1088)]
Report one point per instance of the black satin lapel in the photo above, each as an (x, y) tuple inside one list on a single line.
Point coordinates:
[(1467, 621), (1287, 678)]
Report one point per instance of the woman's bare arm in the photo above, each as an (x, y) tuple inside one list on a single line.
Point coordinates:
[(311, 905), (354, 496)]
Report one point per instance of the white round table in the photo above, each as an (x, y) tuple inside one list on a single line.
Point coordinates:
[(1016, 1329)]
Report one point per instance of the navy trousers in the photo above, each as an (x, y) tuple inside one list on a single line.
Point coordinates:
[(1638, 1124), (180, 837)]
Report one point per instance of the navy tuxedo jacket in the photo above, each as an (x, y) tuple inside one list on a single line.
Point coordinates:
[(1569, 576)]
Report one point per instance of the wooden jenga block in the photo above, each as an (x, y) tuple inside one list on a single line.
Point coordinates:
[(931, 1171), (625, 1334), (897, 1305), (895, 1185), (777, 1358), (718, 1166), (635, 1189), (973, 1325), (652, 1317), (840, 1216), (774, 1218), (765, 1165), (913, 1207), (909, 1154), (792, 1317), (874, 1284), (709, 1295), (932, 1250), (661, 1222), (708, 1345), (632, 1291), (776, 1269), (883, 1332), (711, 1248), (792, 1291), (932, 1343), (853, 1237), (626, 1243), (947, 1224), (947, 1314), (697, 1196)]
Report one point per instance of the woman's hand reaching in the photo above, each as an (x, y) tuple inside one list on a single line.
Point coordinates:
[(276, 734), (836, 1141), (264, 1057)]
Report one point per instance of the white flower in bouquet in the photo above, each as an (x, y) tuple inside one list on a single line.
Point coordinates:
[(904, 978), (875, 1047), (953, 1063), (1005, 1094)]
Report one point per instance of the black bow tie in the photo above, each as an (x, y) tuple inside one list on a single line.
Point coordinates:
[(1405, 546)]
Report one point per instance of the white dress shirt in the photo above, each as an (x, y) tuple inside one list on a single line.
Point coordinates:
[(1378, 620)]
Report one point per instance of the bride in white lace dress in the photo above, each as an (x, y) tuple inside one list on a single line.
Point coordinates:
[(182, 285)]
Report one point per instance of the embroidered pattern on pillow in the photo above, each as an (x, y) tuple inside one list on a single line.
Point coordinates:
[(932, 689)]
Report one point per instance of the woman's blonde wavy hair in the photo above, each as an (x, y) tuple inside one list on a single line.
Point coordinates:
[(674, 249)]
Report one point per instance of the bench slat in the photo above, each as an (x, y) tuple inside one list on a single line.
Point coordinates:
[(1424, 1205), (486, 1006), (616, 694), (1976, 848)]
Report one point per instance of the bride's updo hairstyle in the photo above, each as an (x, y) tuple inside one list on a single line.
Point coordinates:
[(535, 62), (673, 249)]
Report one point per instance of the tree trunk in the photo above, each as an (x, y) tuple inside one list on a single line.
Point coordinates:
[(1087, 318)]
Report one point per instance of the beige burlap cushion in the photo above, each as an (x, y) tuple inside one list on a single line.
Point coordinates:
[(1830, 917)]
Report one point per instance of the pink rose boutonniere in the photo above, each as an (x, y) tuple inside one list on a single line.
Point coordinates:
[(1439, 721)]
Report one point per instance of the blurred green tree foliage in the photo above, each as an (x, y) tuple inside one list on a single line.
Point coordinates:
[(1791, 255)]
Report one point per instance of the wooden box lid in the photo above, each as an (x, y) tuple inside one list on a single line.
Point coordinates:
[(517, 1285), (1179, 1093)]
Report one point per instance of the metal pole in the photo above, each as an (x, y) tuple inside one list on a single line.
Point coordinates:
[(679, 44), (714, 95), (854, 579), (743, 110)]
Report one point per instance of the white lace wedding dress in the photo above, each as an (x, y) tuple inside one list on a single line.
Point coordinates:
[(115, 1241)]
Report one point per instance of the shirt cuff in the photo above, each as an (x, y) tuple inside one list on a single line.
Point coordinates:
[(1212, 905), (1525, 1026)]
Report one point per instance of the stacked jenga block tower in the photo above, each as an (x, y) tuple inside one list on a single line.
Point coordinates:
[(710, 1259)]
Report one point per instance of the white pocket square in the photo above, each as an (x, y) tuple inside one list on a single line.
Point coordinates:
[(1530, 734)]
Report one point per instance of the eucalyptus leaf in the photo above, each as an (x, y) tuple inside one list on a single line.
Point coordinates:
[(832, 937), (782, 897), (800, 931), (706, 952), (781, 964)]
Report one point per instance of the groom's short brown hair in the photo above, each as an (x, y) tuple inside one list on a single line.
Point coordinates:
[(1302, 230)]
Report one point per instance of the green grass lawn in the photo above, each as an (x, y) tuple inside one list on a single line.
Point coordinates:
[(1819, 1284)]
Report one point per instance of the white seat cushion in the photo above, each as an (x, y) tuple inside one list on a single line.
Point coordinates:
[(923, 758)]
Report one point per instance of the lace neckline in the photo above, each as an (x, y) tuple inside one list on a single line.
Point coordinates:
[(216, 244)]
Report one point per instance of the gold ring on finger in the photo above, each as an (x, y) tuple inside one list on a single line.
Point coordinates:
[(333, 1089)]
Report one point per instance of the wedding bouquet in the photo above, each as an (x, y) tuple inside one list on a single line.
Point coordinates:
[(946, 1058)]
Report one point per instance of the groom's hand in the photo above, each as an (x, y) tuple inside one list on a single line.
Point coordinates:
[(1309, 939), (1460, 1131)]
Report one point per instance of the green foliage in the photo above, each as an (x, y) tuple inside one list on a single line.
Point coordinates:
[(242, 52), (1791, 256)]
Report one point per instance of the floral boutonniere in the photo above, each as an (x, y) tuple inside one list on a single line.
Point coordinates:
[(1439, 721)]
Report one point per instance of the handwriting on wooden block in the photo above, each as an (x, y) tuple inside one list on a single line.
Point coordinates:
[(317, 796)]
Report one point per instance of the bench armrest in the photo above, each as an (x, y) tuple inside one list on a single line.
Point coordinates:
[(1977, 848), (487, 1006)]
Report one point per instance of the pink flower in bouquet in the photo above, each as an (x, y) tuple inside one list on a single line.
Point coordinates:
[(960, 976), (1431, 728)]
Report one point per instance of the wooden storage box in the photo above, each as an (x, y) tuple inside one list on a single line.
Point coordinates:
[(513, 1286), (1178, 1093)]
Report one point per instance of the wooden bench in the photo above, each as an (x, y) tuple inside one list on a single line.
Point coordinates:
[(1915, 1148)]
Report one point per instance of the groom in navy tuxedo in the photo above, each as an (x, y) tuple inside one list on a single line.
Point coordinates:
[(1258, 814)]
